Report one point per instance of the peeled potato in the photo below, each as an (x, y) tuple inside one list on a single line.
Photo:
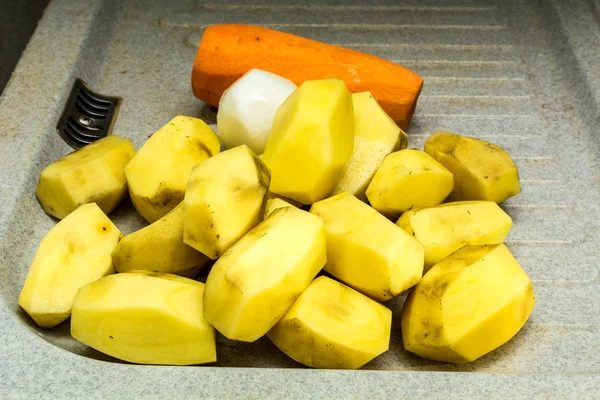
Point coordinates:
[(333, 326), (467, 305), (247, 109), (375, 136), (224, 200), (258, 279), (274, 204), (74, 253), (311, 140), (159, 247), (158, 174), (271, 195), (366, 250), (448, 227), (92, 174), (146, 318), (408, 179), (482, 170)]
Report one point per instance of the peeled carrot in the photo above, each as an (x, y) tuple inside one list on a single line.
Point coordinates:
[(227, 51)]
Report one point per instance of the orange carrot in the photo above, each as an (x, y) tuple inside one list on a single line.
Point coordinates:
[(227, 51)]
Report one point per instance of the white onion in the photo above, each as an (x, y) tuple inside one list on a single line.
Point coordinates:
[(247, 109)]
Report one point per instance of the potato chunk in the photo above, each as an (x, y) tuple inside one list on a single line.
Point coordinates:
[(92, 174), (366, 250), (408, 179), (271, 195), (74, 253), (333, 326), (448, 227), (482, 170), (467, 305), (224, 200), (274, 204), (258, 279), (146, 318), (159, 247), (247, 109), (158, 174), (311, 140), (375, 136)]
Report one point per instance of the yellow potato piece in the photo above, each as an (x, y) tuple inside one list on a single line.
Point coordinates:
[(482, 170), (92, 174), (274, 204), (467, 305), (224, 199), (146, 318), (446, 228), (408, 179), (159, 247), (271, 195), (158, 174), (366, 250), (74, 253), (258, 279), (311, 140), (333, 326), (375, 136)]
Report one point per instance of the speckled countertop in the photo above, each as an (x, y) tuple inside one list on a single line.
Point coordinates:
[(522, 74)]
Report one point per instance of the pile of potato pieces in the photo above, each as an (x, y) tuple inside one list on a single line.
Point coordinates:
[(327, 148)]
